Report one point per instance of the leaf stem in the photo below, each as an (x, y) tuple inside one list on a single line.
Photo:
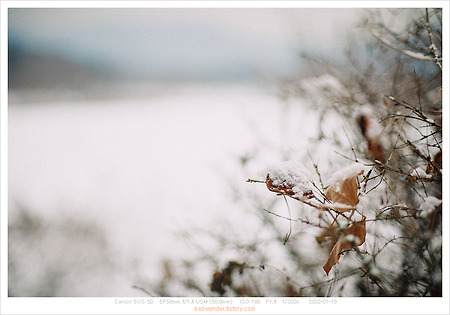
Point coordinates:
[(255, 181), (290, 221)]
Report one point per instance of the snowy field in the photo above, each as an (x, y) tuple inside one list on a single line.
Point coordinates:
[(138, 170)]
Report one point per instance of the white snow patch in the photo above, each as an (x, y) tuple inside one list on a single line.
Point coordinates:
[(352, 239), (374, 271), (347, 172), (436, 244), (429, 205), (366, 203), (420, 173), (291, 174), (413, 54), (366, 259)]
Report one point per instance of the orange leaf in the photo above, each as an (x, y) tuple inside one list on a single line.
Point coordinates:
[(329, 236), (357, 229), (334, 256), (344, 191)]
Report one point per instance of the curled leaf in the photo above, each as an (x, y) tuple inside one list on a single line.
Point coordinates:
[(354, 236), (343, 191), (291, 179), (329, 236)]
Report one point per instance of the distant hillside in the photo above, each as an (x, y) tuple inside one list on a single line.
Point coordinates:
[(31, 70), (38, 76)]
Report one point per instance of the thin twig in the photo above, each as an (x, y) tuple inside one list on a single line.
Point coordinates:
[(290, 219), (351, 273), (255, 181), (433, 47), (142, 289), (290, 222), (408, 53)]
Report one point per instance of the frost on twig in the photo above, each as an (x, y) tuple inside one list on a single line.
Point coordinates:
[(433, 48), (413, 54)]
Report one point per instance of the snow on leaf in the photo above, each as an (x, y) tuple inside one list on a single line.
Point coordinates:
[(329, 236), (354, 236), (419, 174), (429, 205), (290, 178), (343, 188)]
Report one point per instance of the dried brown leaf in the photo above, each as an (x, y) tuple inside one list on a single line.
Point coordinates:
[(328, 237), (286, 188), (375, 149), (357, 229), (344, 192)]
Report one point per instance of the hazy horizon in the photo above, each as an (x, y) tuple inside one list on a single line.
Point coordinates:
[(187, 44)]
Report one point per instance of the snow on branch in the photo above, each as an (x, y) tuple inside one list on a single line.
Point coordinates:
[(409, 53), (433, 47), (290, 178)]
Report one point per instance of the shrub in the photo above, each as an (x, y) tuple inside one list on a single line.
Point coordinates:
[(364, 211)]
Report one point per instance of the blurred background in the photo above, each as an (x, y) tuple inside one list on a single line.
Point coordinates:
[(127, 126), (80, 49)]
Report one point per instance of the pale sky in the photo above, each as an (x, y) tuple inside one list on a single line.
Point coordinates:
[(185, 42)]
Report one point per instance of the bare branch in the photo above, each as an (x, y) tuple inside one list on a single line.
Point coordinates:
[(411, 54)]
